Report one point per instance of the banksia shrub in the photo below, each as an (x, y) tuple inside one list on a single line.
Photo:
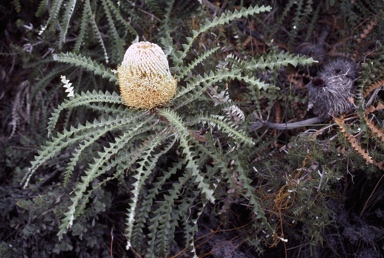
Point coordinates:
[(144, 77)]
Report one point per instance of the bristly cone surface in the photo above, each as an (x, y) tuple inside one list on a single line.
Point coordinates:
[(144, 77), (332, 91)]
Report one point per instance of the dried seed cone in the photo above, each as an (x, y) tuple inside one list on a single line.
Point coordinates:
[(334, 95), (144, 77)]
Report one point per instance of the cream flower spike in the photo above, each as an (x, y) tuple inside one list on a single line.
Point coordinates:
[(144, 77)]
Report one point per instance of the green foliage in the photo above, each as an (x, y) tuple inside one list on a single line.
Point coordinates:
[(225, 18), (189, 178), (141, 136), (272, 61), (86, 63)]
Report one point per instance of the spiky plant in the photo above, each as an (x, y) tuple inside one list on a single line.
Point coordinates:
[(199, 134)]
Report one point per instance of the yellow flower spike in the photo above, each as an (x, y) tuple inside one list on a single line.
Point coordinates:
[(144, 77)]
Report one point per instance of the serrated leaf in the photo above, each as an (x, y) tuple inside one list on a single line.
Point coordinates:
[(86, 63)]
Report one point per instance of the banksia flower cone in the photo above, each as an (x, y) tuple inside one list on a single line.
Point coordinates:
[(144, 77)]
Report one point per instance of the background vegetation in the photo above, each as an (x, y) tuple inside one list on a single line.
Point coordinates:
[(314, 191)]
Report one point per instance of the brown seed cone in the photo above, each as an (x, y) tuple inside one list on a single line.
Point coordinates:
[(144, 77)]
